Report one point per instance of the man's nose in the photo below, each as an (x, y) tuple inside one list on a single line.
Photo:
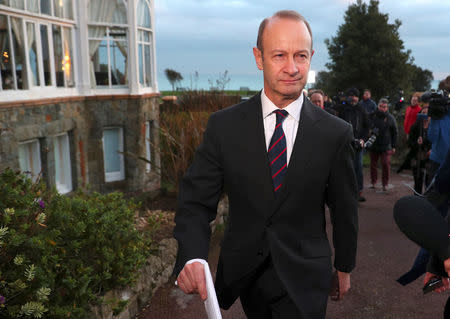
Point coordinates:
[(291, 66)]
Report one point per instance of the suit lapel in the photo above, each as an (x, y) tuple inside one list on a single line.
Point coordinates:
[(253, 121)]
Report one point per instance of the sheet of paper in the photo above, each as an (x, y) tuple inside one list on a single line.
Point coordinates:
[(211, 303)]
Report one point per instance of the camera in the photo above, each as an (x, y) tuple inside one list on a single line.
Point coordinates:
[(372, 138), (439, 103)]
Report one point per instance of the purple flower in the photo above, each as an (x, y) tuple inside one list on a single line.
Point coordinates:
[(2, 300), (42, 204)]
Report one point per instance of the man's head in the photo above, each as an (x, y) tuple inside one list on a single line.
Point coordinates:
[(284, 52), (414, 100), (353, 96), (367, 94), (383, 105), (317, 97)]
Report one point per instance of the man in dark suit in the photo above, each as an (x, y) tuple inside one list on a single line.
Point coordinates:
[(279, 159)]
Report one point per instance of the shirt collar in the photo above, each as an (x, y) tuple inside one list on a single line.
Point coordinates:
[(293, 109)]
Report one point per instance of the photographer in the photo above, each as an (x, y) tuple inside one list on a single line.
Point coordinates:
[(420, 148), (352, 112), (439, 130), (384, 124)]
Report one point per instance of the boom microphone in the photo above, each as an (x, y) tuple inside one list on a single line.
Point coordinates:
[(421, 222)]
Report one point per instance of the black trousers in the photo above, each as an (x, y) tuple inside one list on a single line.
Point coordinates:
[(266, 298)]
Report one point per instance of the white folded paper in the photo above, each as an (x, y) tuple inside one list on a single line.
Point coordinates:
[(211, 303)]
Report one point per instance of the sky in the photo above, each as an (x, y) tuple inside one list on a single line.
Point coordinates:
[(211, 36)]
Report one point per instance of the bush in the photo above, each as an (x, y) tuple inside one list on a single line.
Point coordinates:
[(59, 254)]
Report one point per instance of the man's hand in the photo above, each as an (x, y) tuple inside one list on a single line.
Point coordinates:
[(445, 281), (343, 286), (192, 279)]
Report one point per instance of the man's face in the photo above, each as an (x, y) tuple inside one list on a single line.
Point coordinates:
[(366, 95), (317, 99), (285, 59), (414, 100), (383, 107), (353, 99)]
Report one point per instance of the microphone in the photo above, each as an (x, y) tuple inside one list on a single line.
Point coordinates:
[(422, 223)]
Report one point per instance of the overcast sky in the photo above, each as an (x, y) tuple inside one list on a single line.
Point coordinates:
[(210, 36)]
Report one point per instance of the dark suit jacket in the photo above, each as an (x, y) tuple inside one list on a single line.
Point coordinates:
[(290, 227)]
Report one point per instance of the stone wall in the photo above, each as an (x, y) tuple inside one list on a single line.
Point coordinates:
[(84, 119)]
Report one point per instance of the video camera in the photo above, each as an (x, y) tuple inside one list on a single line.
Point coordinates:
[(439, 103), (372, 138)]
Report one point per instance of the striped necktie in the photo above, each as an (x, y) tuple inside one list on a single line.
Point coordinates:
[(277, 151)]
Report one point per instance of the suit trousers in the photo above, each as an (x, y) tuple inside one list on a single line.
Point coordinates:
[(266, 298)]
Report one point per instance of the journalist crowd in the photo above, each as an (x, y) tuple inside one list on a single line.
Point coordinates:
[(426, 139)]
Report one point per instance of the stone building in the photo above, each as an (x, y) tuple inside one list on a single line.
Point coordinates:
[(78, 92)]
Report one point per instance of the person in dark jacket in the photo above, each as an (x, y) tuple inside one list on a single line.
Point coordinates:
[(384, 126), (420, 148), (352, 112)]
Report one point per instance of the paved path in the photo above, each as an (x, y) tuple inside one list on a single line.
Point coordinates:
[(383, 255)]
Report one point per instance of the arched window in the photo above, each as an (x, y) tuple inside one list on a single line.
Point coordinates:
[(108, 42), (145, 43)]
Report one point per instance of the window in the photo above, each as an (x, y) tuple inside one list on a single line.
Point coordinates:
[(145, 39), (57, 8), (35, 52), (63, 167), (108, 42), (148, 144), (30, 158), (112, 154)]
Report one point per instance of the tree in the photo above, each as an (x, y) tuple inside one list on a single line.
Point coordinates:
[(421, 79), (173, 76), (367, 52), (445, 84)]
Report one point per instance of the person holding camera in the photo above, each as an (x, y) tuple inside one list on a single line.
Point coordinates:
[(383, 123), (438, 133), (352, 112), (420, 149)]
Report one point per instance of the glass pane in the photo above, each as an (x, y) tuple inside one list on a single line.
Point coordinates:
[(141, 64), (30, 159), (143, 14), (46, 7), (6, 66), (33, 6), (109, 11), (63, 8), (32, 54), (148, 65), (19, 4), (46, 55), (59, 58), (68, 57), (118, 62), (4, 2), (99, 61), (19, 52), (111, 147), (63, 174)]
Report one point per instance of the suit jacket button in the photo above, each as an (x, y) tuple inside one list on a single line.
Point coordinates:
[(260, 253), (269, 223)]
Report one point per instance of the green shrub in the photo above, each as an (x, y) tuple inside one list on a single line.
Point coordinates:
[(59, 254)]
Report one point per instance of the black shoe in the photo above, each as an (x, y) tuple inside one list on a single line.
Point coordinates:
[(361, 199)]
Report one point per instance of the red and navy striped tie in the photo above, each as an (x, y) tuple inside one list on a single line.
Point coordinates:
[(277, 151)]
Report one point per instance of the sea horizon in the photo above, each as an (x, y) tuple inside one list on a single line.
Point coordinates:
[(252, 82)]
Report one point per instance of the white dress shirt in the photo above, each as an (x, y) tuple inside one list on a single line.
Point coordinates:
[(290, 124)]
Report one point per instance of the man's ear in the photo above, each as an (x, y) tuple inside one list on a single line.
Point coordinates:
[(258, 58)]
